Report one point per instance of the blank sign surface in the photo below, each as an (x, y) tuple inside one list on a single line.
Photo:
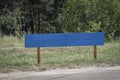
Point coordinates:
[(64, 39)]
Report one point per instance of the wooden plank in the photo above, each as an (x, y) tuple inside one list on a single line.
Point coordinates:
[(64, 39)]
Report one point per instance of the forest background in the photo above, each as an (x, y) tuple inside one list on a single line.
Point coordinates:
[(18, 17)]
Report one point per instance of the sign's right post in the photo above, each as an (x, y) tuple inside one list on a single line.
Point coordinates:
[(95, 52)]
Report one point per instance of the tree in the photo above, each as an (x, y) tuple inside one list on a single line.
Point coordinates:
[(92, 15), (32, 16)]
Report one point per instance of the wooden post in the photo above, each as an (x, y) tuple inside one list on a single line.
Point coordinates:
[(38, 55), (95, 52)]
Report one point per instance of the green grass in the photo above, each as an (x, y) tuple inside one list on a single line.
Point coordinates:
[(14, 57)]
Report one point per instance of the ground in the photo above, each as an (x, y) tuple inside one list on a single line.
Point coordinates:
[(85, 73)]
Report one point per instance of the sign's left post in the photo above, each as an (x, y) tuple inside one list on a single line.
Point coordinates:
[(38, 55)]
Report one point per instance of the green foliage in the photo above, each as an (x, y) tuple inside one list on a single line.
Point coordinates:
[(92, 15), (38, 16), (9, 23), (48, 16)]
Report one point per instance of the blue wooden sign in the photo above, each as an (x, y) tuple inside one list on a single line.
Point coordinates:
[(64, 39)]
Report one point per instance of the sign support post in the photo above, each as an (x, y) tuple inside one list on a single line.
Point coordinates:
[(95, 52), (38, 55)]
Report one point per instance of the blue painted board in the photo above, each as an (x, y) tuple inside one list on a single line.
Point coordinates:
[(64, 39)]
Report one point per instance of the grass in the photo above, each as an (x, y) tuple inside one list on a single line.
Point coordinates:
[(14, 57)]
